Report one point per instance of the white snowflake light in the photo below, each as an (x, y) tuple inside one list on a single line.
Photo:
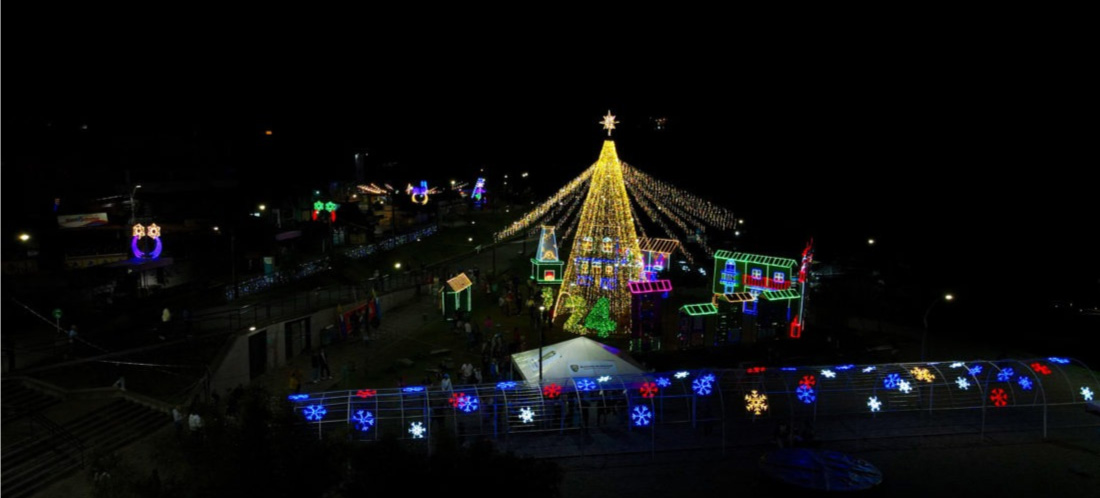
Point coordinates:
[(874, 403), (605, 378), (869, 369), (681, 375), (904, 386), (958, 364), (963, 383), (828, 374), (527, 415), (417, 430), (1086, 393)]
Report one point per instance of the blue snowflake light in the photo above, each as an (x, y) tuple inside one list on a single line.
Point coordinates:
[(874, 404), (468, 404), (414, 389), (788, 369), (845, 367), (663, 382), (1025, 383), (828, 374), (868, 369), (315, 412), (1059, 360), (506, 385), (1086, 393), (585, 385), (701, 387), (417, 430), (708, 378), (527, 415), (364, 420), (297, 397), (975, 370), (641, 415), (1005, 374), (963, 383), (681, 375), (806, 394), (891, 381)]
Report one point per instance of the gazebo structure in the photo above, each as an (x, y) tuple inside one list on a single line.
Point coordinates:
[(456, 295)]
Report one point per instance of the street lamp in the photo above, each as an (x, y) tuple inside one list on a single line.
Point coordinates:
[(924, 337), (542, 311), (132, 192), (23, 237)]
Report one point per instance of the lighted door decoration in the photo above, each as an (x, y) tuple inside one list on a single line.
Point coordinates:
[(139, 232)]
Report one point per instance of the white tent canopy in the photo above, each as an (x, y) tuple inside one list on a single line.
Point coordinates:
[(580, 357)]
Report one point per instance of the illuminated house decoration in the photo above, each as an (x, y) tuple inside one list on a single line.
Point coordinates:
[(730, 323), (772, 281), (656, 254), (605, 256), (456, 296), (546, 268), (140, 232), (419, 195), (648, 294)]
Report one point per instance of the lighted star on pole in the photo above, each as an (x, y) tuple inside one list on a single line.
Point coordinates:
[(609, 122)]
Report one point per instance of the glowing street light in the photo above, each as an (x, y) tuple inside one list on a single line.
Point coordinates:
[(870, 242), (263, 207), (397, 266), (23, 237)]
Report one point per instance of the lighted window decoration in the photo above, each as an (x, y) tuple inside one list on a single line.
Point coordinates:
[(757, 273), (607, 246), (891, 381), (584, 267), (417, 430), (597, 268), (1005, 374), (808, 381), (828, 374), (609, 270), (1040, 368), (868, 369), (874, 404), (641, 415), (975, 370), (604, 378), (963, 383), (999, 397), (903, 386), (663, 382), (923, 374), (648, 389), (414, 389), (958, 364), (363, 419), (315, 412), (1059, 360), (701, 387), (153, 232), (681, 375), (756, 403), (551, 391), (366, 393), (1086, 393), (297, 397), (527, 415), (806, 394), (1024, 382), (586, 385), (778, 277), (468, 404), (506, 385), (586, 243)]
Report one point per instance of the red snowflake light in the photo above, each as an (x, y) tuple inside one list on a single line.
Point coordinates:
[(756, 370), (808, 380), (648, 390), (551, 391), (457, 399), (998, 397), (366, 393), (1041, 368)]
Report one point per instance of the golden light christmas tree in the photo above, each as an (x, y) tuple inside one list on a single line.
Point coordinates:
[(605, 255)]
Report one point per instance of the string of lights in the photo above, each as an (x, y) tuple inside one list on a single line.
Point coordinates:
[(535, 214), (712, 214), (649, 211)]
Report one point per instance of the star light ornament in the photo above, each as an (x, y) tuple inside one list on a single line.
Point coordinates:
[(417, 430), (609, 122), (963, 383), (874, 404), (527, 415)]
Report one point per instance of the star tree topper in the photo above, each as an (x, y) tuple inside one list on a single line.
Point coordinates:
[(609, 122)]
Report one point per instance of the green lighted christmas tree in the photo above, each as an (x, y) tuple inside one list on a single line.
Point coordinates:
[(599, 319)]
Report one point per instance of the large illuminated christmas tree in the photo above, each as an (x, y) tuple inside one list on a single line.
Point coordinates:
[(605, 255)]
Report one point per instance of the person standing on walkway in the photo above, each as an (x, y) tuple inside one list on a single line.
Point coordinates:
[(326, 372), (315, 364)]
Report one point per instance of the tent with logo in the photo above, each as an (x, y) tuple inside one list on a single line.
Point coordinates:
[(579, 357)]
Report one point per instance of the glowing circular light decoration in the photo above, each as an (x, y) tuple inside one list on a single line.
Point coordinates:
[(1025, 383), (808, 380), (551, 391), (806, 394), (527, 415), (874, 404), (417, 430), (999, 397), (891, 381), (585, 385), (419, 195), (468, 404), (1086, 393), (756, 403), (315, 412), (153, 232), (663, 382), (1005, 374), (963, 383), (364, 420), (641, 415), (701, 387), (648, 390), (366, 393)]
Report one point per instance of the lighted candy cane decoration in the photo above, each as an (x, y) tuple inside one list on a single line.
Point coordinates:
[(153, 232)]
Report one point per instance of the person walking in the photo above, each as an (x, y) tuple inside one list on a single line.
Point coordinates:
[(326, 372)]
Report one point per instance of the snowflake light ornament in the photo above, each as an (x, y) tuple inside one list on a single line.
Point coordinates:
[(417, 430), (456, 399), (756, 403), (999, 397), (414, 389), (641, 415), (808, 381), (963, 383), (366, 393), (297, 397), (701, 388), (904, 386), (681, 374), (468, 404), (663, 382), (604, 378), (1059, 360), (586, 385), (708, 378), (527, 415), (551, 391), (923, 374), (806, 394), (975, 370), (1041, 368), (891, 381), (868, 369), (1086, 393), (828, 374), (504, 386), (845, 367), (315, 412), (1005, 374), (1025, 383), (648, 390), (874, 404), (364, 420), (958, 364)]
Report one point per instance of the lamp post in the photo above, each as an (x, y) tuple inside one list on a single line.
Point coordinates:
[(542, 309), (924, 338), (132, 210)]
